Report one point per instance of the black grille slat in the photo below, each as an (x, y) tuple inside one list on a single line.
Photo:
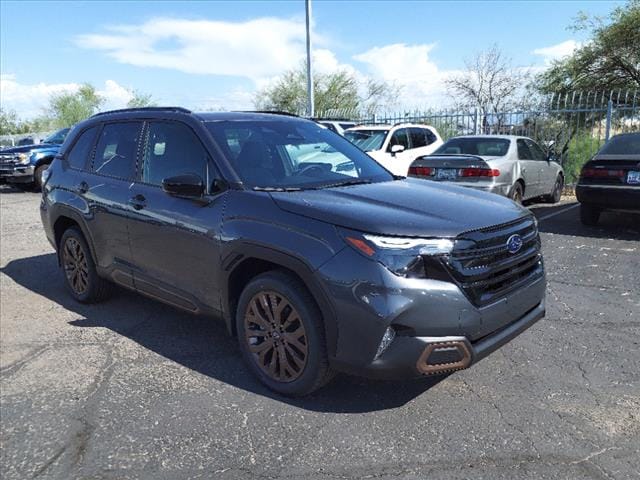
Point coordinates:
[(484, 268)]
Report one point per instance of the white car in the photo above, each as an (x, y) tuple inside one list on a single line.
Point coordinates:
[(395, 147), (337, 126), (512, 166)]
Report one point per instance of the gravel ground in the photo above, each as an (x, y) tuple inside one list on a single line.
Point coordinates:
[(134, 389)]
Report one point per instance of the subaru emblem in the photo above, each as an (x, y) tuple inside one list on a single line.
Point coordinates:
[(514, 244)]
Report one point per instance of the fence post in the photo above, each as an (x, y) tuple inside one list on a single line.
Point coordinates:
[(476, 121), (607, 129)]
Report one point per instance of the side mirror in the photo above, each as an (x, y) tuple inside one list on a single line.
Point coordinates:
[(187, 186), (397, 149)]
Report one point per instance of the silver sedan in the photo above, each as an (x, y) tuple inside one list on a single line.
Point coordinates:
[(512, 166)]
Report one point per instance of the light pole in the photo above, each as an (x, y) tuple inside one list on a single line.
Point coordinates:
[(310, 109)]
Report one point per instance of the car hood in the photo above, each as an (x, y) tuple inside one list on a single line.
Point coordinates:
[(411, 207), (28, 148)]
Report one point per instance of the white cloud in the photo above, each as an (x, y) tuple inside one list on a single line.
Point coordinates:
[(254, 49), (30, 100), (558, 51), (409, 67)]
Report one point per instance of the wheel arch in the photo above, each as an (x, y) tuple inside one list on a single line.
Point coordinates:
[(253, 260), (64, 219)]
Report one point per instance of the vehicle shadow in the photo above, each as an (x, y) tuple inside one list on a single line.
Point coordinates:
[(8, 188), (612, 225), (201, 344)]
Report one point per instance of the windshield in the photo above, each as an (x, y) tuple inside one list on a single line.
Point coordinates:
[(622, 145), (285, 154), (488, 147), (367, 140), (57, 137)]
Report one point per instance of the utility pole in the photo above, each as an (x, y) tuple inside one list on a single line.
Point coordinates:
[(310, 109)]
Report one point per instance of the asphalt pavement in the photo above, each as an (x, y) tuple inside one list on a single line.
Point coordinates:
[(134, 389)]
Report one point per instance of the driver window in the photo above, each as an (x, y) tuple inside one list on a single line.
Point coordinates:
[(536, 151), (399, 137), (172, 149)]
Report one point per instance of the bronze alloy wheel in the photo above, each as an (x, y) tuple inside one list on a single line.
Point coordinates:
[(75, 265), (275, 336)]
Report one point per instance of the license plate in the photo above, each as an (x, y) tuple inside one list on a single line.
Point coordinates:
[(446, 173), (633, 177)]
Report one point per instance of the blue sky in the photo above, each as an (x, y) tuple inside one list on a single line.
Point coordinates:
[(215, 55)]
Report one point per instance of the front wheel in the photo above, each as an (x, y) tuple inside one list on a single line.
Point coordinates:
[(589, 214), (556, 194), (38, 177), (281, 334)]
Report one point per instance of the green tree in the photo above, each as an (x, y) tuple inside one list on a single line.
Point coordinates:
[(69, 108), (609, 60), (8, 122), (334, 93), (140, 99)]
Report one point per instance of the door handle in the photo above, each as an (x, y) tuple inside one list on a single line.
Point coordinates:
[(138, 202), (83, 187)]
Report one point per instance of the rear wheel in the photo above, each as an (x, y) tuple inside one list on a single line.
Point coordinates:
[(281, 334), (516, 193), (556, 194), (589, 214), (80, 274)]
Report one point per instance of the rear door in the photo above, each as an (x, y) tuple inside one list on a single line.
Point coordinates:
[(106, 191), (530, 169), (175, 241)]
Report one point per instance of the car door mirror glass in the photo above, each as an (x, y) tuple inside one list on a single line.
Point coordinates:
[(187, 186), (397, 149)]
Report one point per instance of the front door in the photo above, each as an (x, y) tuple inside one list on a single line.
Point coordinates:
[(530, 169), (175, 241)]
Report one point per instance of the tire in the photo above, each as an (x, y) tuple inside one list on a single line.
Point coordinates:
[(79, 269), (589, 214), (516, 193), (37, 176), (283, 343), (556, 194)]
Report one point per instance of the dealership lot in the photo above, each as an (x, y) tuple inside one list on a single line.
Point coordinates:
[(134, 389)]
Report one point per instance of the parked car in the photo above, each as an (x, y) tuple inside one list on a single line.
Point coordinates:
[(313, 270), (611, 179), (395, 147), (25, 164), (515, 167), (337, 126)]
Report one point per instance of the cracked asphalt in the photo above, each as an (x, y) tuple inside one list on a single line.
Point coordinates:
[(134, 389)]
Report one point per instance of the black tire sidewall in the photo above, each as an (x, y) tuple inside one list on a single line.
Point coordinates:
[(312, 321), (92, 278), (37, 176)]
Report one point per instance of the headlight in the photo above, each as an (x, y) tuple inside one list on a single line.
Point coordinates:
[(402, 255), (23, 158)]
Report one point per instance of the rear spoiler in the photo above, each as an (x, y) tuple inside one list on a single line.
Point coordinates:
[(450, 161)]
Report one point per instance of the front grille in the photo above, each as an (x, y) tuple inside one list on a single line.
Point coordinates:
[(486, 271), (8, 159)]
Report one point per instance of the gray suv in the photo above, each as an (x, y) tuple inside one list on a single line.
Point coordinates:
[(316, 263)]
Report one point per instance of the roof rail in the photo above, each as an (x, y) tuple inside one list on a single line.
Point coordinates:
[(144, 109), (273, 112)]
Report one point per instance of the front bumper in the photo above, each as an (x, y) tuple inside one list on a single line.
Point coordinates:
[(421, 311), (17, 173), (615, 197)]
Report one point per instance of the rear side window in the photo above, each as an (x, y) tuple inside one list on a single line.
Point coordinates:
[(172, 149), (81, 150), (418, 138), (117, 148), (523, 151), (431, 137)]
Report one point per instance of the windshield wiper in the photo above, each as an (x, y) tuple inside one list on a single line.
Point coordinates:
[(276, 189), (344, 184)]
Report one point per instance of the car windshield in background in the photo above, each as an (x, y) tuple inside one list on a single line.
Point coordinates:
[(366, 140), (57, 137), (622, 145), (285, 155), (489, 147)]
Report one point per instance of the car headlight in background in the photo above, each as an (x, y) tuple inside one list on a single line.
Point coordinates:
[(24, 158), (401, 255)]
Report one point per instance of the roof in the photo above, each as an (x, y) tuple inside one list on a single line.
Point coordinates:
[(504, 137), (203, 116), (386, 126)]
